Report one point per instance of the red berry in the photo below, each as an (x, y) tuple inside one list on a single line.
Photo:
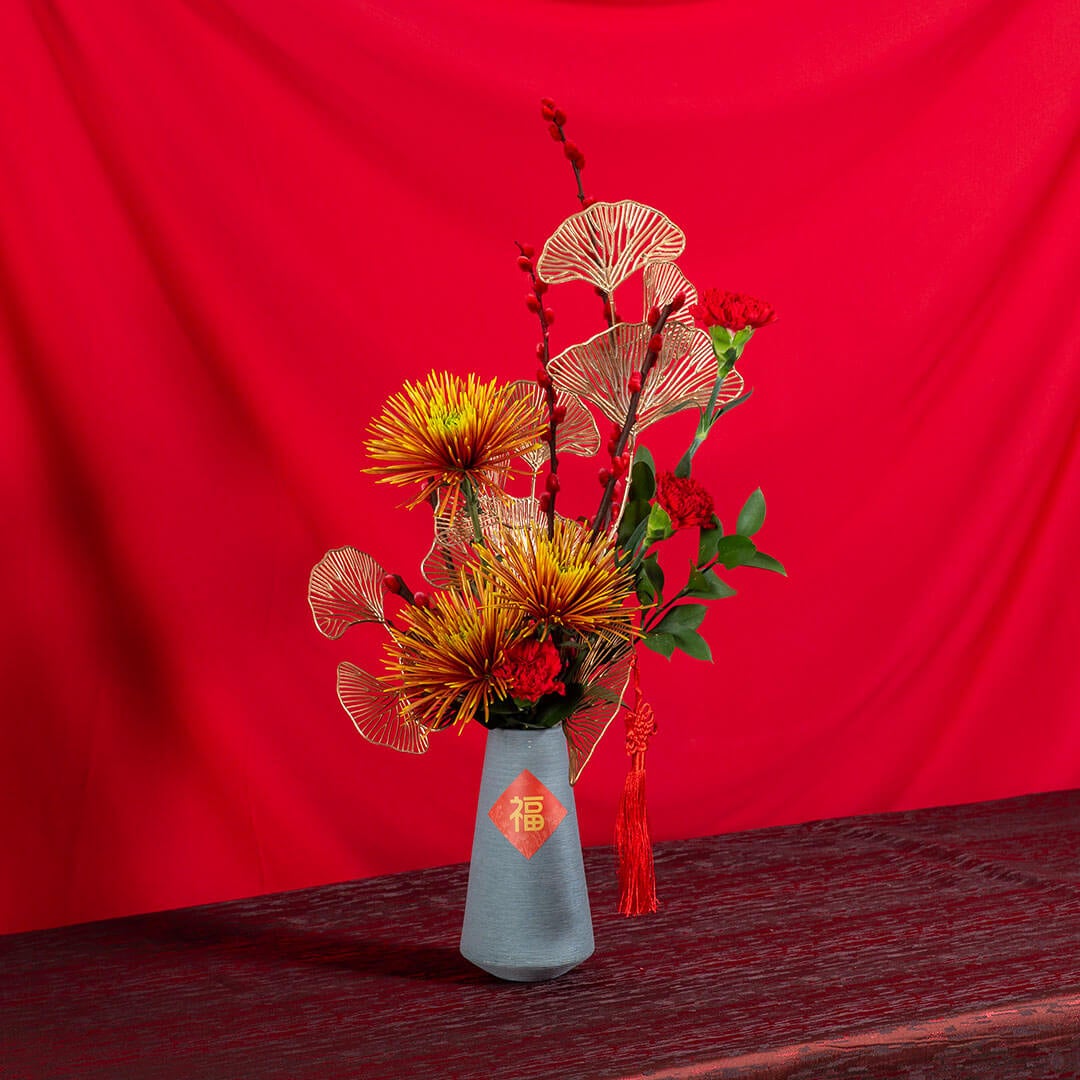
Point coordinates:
[(570, 150), (548, 102), (654, 315), (612, 443), (420, 599), (539, 350), (616, 431), (589, 201), (558, 414), (552, 483), (547, 112), (678, 300), (555, 133), (549, 316), (544, 501), (603, 476), (656, 343), (524, 264), (391, 583), (560, 116), (542, 378), (540, 287), (532, 303), (528, 250), (633, 384)]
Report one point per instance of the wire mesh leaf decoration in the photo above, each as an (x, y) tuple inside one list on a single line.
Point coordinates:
[(576, 434), (663, 282), (599, 369), (605, 673), (345, 588), (376, 711), (608, 242)]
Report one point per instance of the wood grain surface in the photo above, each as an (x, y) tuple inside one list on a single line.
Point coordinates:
[(934, 943)]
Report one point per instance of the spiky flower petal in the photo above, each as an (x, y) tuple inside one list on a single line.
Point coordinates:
[(448, 432)]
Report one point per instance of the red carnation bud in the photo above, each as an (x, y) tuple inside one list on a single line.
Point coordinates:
[(555, 133), (532, 303), (548, 102), (549, 316), (391, 583), (420, 599), (547, 112), (633, 384), (654, 315), (528, 250), (524, 264), (656, 343), (677, 301), (542, 378), (540, 287), (604, 475), (558, 414), (544, 501), (552, 483), (560, 116)]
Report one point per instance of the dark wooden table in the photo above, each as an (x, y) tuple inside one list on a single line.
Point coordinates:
[(936, 943)]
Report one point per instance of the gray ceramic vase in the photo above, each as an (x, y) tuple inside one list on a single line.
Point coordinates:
[(527, 912)]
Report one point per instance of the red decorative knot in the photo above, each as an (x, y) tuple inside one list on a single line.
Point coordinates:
[(540, 287), (532, 303), (542, 378), (640, 727), (391, 583), (549, 316), (544, 502), (633, 384), (528, 250), (656, 343), (654, 315), (524, 264), (552, 483), (555, 133), (421, 599)]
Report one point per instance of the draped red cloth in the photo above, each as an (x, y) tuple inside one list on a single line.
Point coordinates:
[(229, 228)]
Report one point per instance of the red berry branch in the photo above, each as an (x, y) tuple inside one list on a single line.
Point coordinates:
[(556, 413), (613, 479), (556, 123)]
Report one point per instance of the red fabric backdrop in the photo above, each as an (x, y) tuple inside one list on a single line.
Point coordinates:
[(231, 227)]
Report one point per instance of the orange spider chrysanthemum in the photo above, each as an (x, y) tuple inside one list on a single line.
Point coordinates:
[(448, 432), (448, 660), (569, 580)]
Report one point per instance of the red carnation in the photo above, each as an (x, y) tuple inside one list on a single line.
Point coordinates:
[(530, 667), (687, 503), (733, 310)]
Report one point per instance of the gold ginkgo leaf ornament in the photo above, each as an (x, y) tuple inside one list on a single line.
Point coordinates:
[(607, 242)]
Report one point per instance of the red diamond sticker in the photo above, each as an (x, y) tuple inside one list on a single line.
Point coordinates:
[(526, 813)]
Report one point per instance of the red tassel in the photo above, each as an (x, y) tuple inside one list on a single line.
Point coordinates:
[(637, 872)]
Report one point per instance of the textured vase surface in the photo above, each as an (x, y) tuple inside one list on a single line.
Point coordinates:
[(527, 912)]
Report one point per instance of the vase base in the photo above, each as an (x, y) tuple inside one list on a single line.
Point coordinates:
[(524, 971)]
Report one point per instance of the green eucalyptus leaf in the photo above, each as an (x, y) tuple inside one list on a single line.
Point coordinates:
[(693, 644), (642, 481), (766, 562), (683, 617), (707, 539), (752, 515), (659, 523), (643, 456), (707, 586), (734, 550), (660, 642), (650, 581)]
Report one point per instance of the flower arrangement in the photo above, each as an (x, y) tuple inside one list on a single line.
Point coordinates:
[(528, 618)]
